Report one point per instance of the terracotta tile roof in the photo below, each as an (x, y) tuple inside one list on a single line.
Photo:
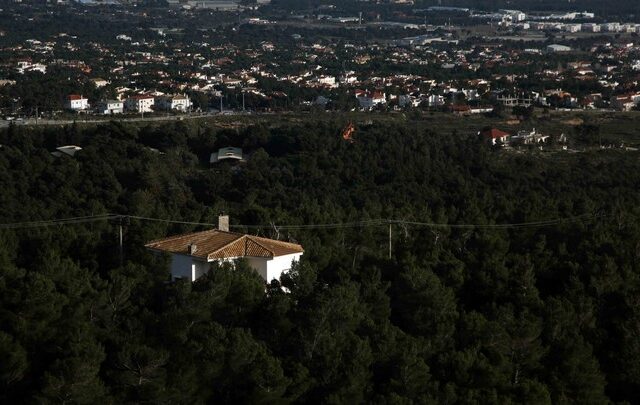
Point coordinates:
[(494, 133), (214, 244)]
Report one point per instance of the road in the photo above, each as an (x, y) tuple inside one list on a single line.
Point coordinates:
[(89, 120)]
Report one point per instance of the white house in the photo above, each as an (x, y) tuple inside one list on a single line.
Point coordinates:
[(435, 100), (590, 27), (27, 66), (329, 81), (494, 136), (108, 107), (369, 100), (174, 103), (407, 100), (76, 102), (529, 138), (99, 82), (140, 102), (192, 254)]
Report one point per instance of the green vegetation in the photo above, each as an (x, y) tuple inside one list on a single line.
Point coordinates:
[(534, 315)]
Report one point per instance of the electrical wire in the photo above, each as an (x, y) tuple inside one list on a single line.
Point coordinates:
[(164, 220), (57, 222), (338, 225)]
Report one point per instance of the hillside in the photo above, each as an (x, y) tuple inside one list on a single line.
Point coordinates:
[(513, 277)]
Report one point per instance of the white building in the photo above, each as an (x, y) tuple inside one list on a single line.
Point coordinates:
[(369, 100), (98, 82), (228, 153), (435, 100), (76, 102), (494, 136), (555, 48), (329, 81), (108, 107), (67, 150), (174, 103), (192, 254), (407, 100), (611, 27), (141, 103), (27, 66), (590, 27), (572, 27), (514, 15), (528, 138)]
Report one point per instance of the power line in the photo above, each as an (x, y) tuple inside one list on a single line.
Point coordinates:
[(55, 222), (337, 225), (534, 224), (164, 220)]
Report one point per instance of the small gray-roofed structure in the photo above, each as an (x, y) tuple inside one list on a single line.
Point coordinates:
[(67, 150), (228, 153), (558, 48)]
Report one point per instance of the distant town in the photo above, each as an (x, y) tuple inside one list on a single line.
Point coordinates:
[(226, 57)]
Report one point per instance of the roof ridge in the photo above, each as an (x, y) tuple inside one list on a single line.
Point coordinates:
[(240, 236), (277, 241), (250, 237), (174, 237)]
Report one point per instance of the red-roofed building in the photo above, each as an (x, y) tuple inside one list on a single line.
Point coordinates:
[(369, 100), (193, 253), (495, 136), (76, 102)]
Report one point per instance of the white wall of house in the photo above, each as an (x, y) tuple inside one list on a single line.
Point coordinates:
[(77, 104), (184, 266), (110, 107), (279, 265), (140, 104), (180, 104)]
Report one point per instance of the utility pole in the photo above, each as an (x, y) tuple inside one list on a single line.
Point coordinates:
[(389, 239), (120, 240)]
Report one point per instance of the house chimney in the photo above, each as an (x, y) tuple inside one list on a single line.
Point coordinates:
[(223, 223), (192, 248)]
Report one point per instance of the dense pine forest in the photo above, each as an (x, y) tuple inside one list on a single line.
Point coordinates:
[(542, 313)]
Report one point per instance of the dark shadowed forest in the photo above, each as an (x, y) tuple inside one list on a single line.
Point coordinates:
[(545, 313)]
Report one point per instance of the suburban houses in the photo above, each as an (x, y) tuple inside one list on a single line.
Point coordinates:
[(576, 60), (497, 137)]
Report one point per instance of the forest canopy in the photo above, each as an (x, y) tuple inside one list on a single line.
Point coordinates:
[(478, 314)]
